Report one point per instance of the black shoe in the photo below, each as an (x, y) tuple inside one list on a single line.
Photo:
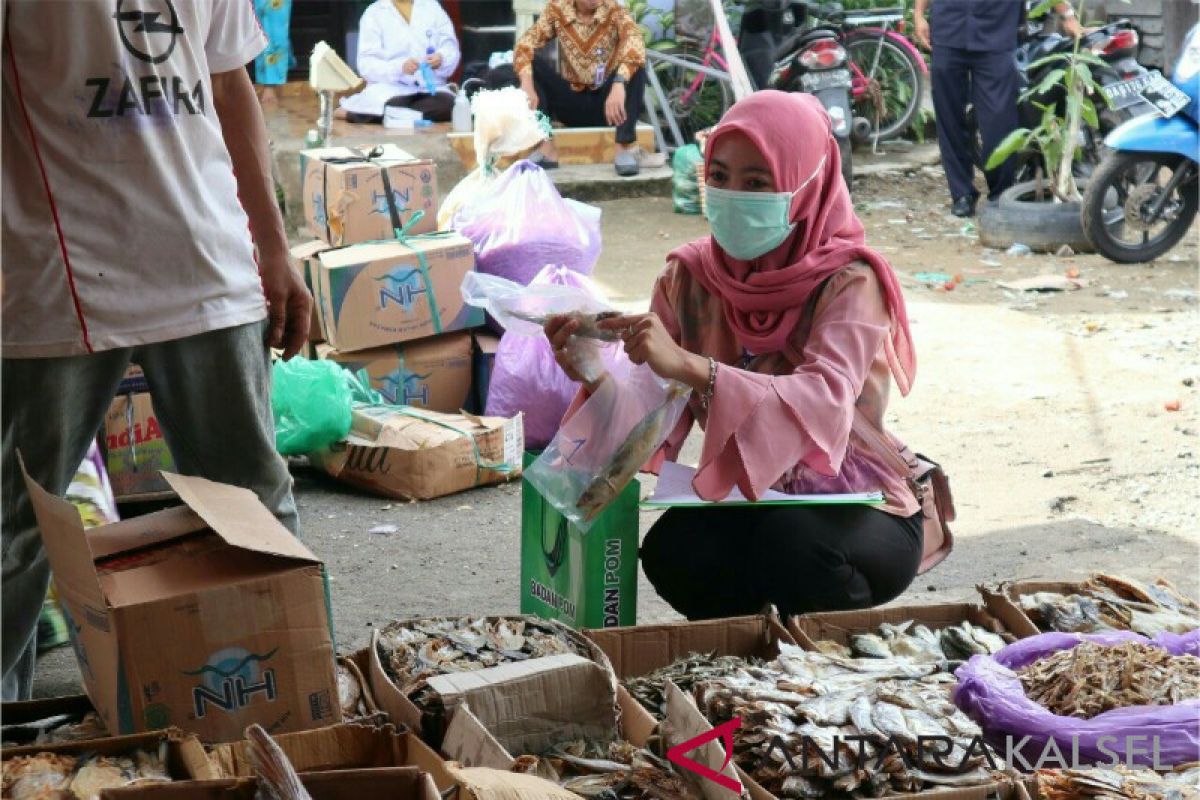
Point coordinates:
[(537, 157), (964, 206)]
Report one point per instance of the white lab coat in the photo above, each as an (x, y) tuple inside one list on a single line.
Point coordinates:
[(386, 41)]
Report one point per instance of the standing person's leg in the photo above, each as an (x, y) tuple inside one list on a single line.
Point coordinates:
[(212, 394), (950, 81), (271, 66), (994, 89), (436, 107), (52, 410)]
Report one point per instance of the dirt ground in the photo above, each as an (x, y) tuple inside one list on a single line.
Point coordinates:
[(1048, 410)]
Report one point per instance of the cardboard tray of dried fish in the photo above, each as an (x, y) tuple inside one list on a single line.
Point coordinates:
[(420, 669), (52, 720), (1092, 679), (623, 765), (807, 703), (946, 634), (1101, 603), (645, 657), (348, 746), (86, 767), (393, 783)]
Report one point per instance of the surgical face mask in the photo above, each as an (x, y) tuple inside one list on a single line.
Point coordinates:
[(750, 224)]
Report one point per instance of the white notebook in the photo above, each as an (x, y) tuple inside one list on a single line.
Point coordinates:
[(675, 489)]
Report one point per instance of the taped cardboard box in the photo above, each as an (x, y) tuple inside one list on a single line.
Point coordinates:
[(1003, 600), (575, 146), (580, 579), (371, 295), (304, 258), (839, 626), (526, 705), (347, 198), (433, 373), (413, 454), (135, 451), (209, 615), (395, 783), (184, 756)]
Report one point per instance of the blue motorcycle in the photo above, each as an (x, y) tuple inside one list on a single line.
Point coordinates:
[(1142, 198)]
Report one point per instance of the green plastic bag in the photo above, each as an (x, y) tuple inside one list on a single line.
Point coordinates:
[(311, 404), (686, 191)]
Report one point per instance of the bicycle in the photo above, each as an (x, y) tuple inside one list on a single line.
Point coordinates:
[(692, 91)]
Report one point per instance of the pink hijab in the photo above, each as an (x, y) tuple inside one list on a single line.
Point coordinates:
[(764, 299)]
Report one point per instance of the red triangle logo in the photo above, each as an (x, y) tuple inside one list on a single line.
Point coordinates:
[(724, 732)]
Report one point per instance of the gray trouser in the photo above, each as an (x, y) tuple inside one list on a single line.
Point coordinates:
[(212, 396)]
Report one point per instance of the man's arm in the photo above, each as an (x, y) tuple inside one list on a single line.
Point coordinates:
[(631, 45), (288, 301), (921, 24), (531, 41)]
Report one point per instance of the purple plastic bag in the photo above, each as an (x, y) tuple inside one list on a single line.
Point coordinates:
[(523, 224), (990, 692), (526, 377)]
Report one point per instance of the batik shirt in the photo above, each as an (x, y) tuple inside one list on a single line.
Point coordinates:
[(588, 52)]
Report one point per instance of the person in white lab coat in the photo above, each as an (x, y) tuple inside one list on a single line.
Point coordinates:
[(395, 37)]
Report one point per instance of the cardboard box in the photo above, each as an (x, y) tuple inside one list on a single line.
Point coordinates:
[(185, 758), (395, 783), (304, 258), (575, 146), (209, 615), (526, 705), (135, 452), (483, 362), (1004, 602), (838, 626), (413, 454), (372, 295), (347, 203), (580, 579), (19, 718), (433, 373)]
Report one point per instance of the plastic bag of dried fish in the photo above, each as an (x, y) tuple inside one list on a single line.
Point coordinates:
[(413, 651), (525, 309), (801, 711), (685, 672), (1112, 603), (51, 776), (1097, 683), (607, 441), (614, 771)]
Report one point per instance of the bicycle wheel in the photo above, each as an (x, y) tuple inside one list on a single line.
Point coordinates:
[(696, 101), (889, 96)]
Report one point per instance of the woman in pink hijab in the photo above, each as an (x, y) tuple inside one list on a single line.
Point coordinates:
[(789, 329)]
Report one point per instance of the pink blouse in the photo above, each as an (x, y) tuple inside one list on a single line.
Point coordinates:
[(787, 420)]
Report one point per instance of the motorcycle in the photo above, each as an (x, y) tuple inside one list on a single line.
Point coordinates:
[(803, 58), (1143, 197)]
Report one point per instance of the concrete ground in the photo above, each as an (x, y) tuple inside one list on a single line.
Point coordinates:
[(1049, 412)]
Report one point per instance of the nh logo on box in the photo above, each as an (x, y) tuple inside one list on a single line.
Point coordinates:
[(402, 287), (231, 679)]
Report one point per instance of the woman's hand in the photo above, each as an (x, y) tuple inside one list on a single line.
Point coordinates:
[(570, 354), (648, 342)]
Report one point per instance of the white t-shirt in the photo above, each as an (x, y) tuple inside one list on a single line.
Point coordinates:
[(121, 221)]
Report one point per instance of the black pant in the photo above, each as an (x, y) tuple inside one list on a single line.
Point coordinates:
[(989, 81), (585, 109), (436, 107), (720, 562)]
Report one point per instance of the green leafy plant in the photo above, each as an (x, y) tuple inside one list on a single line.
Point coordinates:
[(1056, 137), (642, 12)]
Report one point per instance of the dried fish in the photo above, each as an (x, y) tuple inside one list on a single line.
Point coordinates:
[(350, 693), (1120, 783), (44, 775), (630, 457), (50, 776), (685, 672), (947, 647), (1110, 602), (1091, 678), (589, 327), (614, 771)]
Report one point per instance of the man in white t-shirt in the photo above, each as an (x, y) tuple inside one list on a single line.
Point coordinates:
[(136, 192)]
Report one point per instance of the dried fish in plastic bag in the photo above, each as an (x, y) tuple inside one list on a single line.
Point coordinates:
[(1090, 678), (44, 775)]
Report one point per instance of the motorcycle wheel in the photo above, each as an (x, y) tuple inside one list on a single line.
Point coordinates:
[(1120, 190)]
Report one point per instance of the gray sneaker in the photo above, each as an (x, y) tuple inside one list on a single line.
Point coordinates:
[(626, 163)]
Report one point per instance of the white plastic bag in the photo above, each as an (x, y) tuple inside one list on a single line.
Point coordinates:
[(504, 125), (607, 441)]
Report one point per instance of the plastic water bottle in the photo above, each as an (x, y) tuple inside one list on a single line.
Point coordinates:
[(426, 70), (460, 120)]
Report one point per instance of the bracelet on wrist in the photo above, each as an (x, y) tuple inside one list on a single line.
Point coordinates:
[(707, 394)]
